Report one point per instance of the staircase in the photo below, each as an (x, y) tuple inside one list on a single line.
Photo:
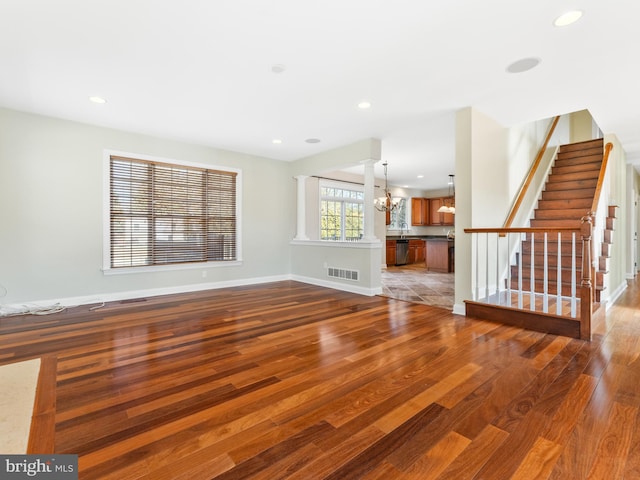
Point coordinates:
[(605, 249), (567, 197)]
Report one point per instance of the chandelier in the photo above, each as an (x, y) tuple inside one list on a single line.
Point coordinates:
[(452, 194), (386, 203)]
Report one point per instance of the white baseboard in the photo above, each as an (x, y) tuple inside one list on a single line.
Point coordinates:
[(615, 295), (460, 309), (132, 294)]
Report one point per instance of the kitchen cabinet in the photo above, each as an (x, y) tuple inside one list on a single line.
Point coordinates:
[(424, 211), (440, 255), (417, 251), (440, 218), (391, 252), (419, 211)]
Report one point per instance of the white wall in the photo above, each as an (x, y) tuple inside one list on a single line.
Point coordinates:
[(51, 235), (311, 260), (464, 205), (615, 192)]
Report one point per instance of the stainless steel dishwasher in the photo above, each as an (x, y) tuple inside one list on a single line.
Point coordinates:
[(402, 251)]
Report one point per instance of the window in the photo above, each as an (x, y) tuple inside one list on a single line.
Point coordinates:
[(165, 214), (341, 212), (399, 216)]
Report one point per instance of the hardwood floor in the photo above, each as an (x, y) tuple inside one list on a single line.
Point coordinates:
[(288, 380)]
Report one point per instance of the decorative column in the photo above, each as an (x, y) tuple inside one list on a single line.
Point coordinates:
[(301, 233), (369, 198)]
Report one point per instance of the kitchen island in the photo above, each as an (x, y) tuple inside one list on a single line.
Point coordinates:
[(440, 254)]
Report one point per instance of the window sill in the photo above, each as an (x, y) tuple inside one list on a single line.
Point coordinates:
[(167, 268), (330, 243)]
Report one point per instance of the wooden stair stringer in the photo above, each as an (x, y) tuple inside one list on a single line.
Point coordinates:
[(602, 264)]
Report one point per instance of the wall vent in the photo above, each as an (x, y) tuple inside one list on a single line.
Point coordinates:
[(343, 273)]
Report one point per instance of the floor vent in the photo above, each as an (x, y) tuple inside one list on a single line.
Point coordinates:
[(343, 273)]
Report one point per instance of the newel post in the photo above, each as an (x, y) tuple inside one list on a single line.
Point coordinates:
[(586, 292)]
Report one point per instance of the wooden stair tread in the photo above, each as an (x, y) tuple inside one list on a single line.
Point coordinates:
[(572, 184), (566, 203), (552, 271), (552, 248), (587, 152), (564, 213), (565, 289), (555, 223), (584, 145), (552, 261), (573, 176), (580, 167), (562, 194), (575, 159)]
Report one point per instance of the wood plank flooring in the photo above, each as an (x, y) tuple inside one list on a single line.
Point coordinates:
[(288, 380)]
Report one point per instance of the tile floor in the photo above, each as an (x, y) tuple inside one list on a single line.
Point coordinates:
[(415, 284)]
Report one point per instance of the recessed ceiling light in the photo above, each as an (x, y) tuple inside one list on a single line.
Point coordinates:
[(523, 65), (276, 141), (312, 140), (364, 105), (420, 176), (405, 186), (96, 99), (568, 18), (278, 68)]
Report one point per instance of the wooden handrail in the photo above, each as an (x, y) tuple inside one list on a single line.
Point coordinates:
[(603, 170), (530, 175), (521, 230)]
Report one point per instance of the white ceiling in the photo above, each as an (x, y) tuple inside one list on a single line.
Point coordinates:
[(201, 70)]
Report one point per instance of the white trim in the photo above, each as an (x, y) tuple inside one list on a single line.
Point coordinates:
[(460, 309), (615, 295), (170, 267), (341, 184), (151, 292), (334, 244), (369, 292), (106, 212)]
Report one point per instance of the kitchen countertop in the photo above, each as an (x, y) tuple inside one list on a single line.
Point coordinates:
[(418, 237)]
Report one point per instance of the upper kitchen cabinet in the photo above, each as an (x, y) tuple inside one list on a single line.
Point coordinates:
[(424, 211), (419, 211), (440, 218)]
